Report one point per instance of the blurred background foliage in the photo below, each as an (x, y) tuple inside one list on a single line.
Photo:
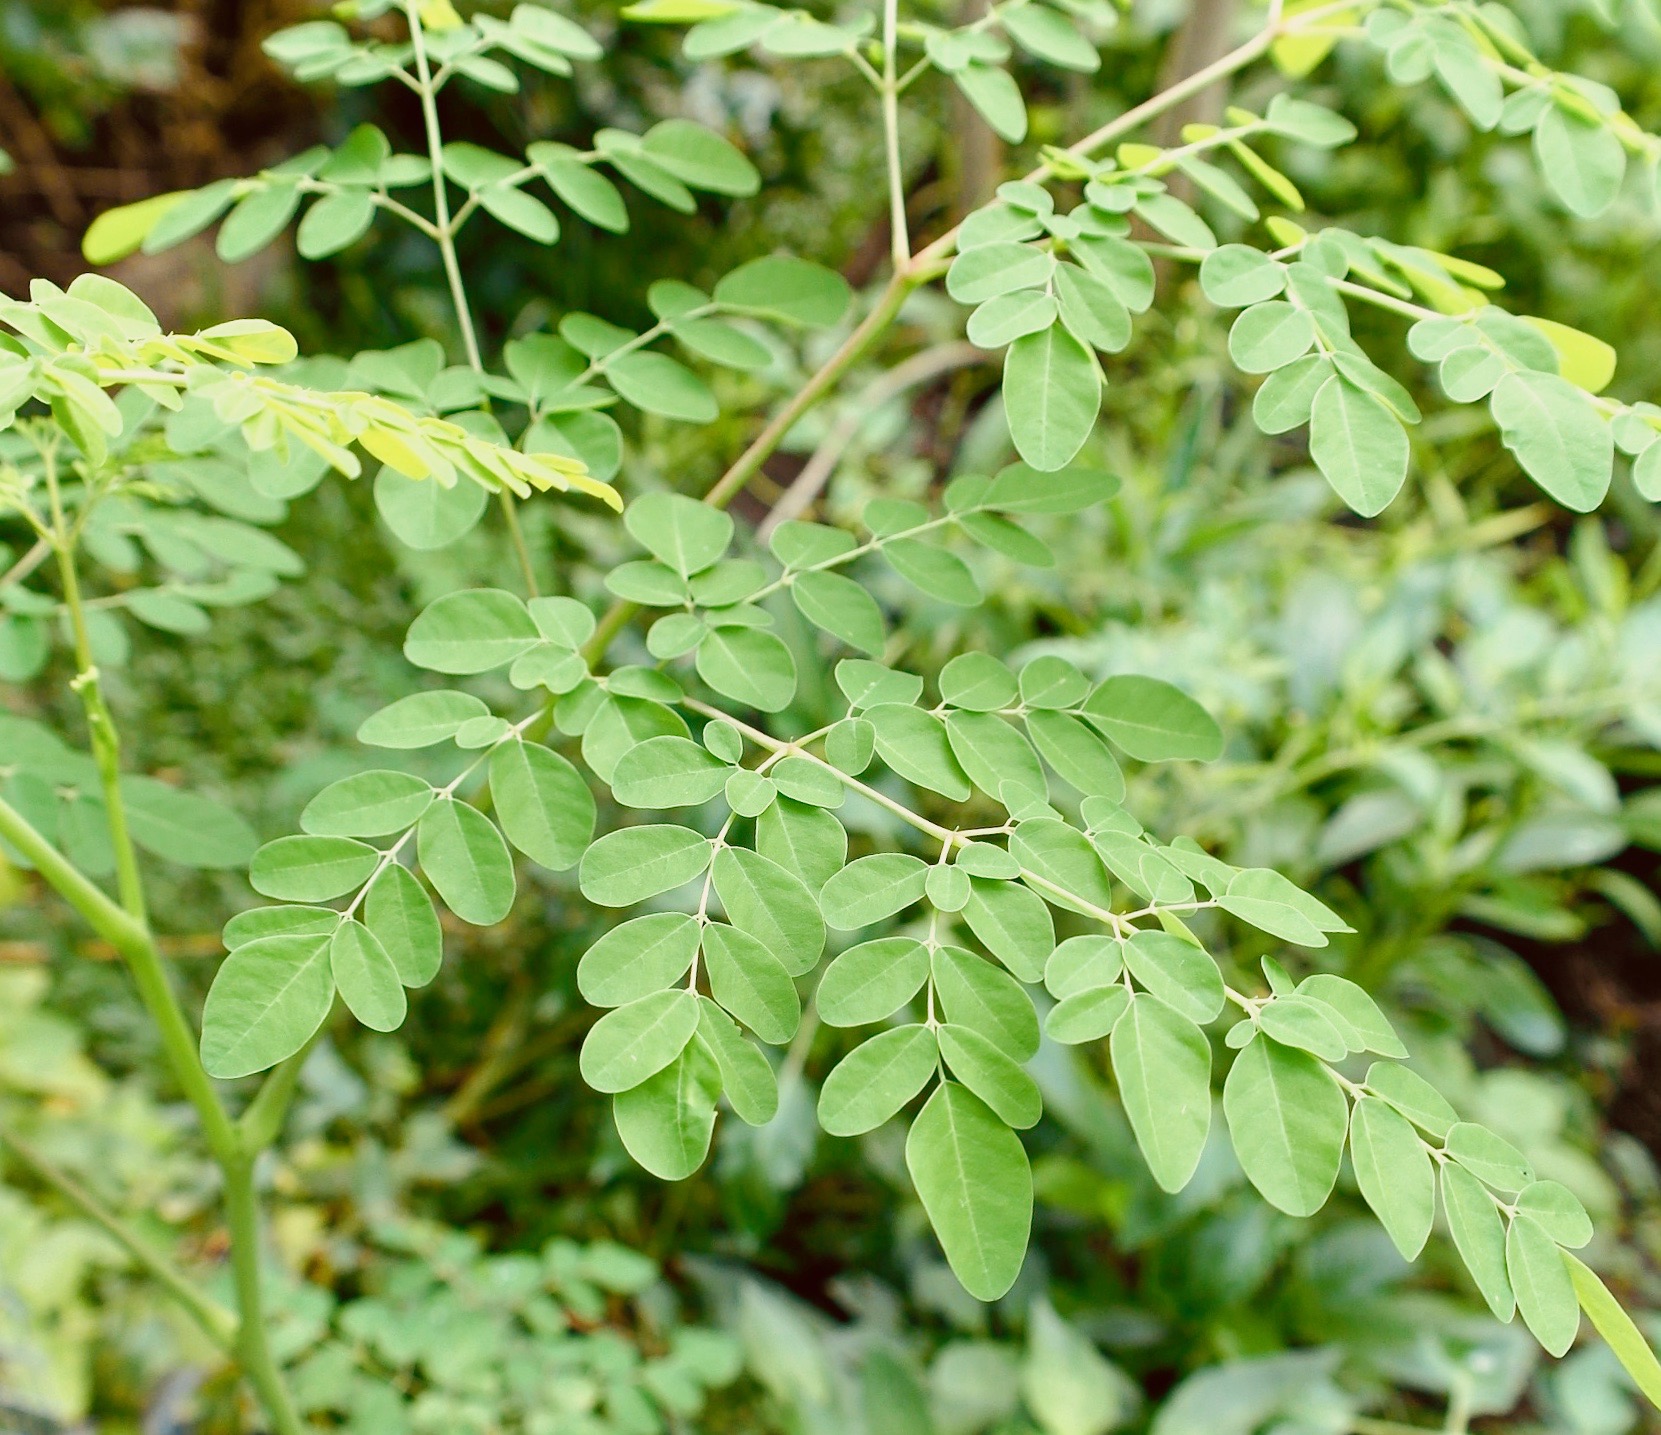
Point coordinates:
[(1448, 719)]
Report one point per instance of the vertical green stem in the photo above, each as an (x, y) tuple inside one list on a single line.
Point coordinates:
[(132, 938), (446, 235), (899, 237)]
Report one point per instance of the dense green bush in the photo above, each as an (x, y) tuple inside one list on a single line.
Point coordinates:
[(1428, 723)]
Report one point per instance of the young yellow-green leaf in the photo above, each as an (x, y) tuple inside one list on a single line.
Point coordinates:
[(367, 804), (267, 999), (311, 869), (639, 1039), (1162, 1063), (640, 957), (751, 983), (400, 914), (972, 1175), (771, 904), (984, 1068), (1478, 1235), (366, 978), (1394, 1172), (1545, 1294), (542, 802), (872, 888), (1052, 392), (1288, 1119), (634, 863), (471, 632), (871, 981), (667, 1120), (1014, 923), (118, 232), (875, 1079), (1635, 1354), (467, 862), (1153, 721)]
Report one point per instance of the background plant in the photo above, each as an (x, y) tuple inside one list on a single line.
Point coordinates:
[(930, 566)]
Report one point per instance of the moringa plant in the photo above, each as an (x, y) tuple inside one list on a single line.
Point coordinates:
[(996, 887)]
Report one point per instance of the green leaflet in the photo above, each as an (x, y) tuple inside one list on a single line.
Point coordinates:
[(1478, 1235), (974, 993), (1082, 963), (421, 719), (994, 754), (667, 1120), (668, 771), (366, 978), (1076, 754), (185, 827), (1179, 972), (749, 666), (987, 1071), (746, 1074), (311, 869), (1288, 1120), (806, 841), (1413, 1096), (470, 632), (642, 956), (767, 901), (542, 802), (1162, 1063), (1545, 1293), (1363, 1021), (874, 1080), (971, 1173), (914, 743), (638, 1040), (842, 608), (1014, 924), (1052, 392), (1557, 1211), (1358, 444), (467, 862), (871, 981), (400, 914), (267, 999), (1395, 1174), (1268, 901), (1153, 721), (1491, 1159), (635, 863), (872, 888), (751, 983), (1562, 442), (368, 804), (1087, 1015)]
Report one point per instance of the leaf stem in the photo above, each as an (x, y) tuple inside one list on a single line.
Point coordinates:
[(446, 239), (899, 237)]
